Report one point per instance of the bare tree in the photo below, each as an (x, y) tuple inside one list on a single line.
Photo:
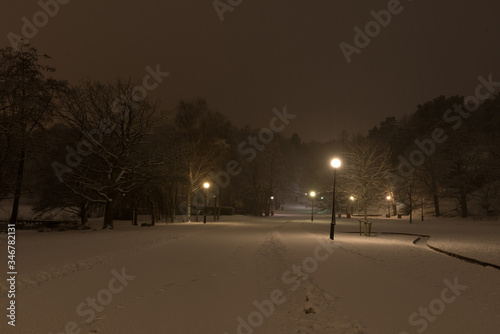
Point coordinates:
[(112, 126), (366, 165), (411, 193), (26, 105), (51, 195), (464, 165), (201, 140)]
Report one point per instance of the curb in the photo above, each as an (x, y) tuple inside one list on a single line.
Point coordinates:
[(442, 251), (464, 258)]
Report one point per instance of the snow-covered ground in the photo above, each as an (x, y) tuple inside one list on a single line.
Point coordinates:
[(278, 274)]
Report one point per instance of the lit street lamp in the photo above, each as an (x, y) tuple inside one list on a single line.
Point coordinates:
[(352, 204), (335, 164), (206, 185), (312, 194), (388, 206)]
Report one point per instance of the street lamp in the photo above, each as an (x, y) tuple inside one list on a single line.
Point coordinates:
[(206, 185), (388, 206), (335, 164), (272, 205), (312, 194), (352, 204)]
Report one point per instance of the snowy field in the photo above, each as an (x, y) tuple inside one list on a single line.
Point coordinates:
[(278, 274)]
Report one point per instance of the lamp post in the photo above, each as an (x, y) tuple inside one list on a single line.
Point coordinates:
[(272, 205), (335, 164), (388, 206), (352, 204), (215, 207), (312, 194), (206, 185), (422, 210)]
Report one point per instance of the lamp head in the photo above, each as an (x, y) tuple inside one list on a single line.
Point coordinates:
[(335, 163)]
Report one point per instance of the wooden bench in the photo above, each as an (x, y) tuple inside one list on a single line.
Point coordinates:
[(368, 224)]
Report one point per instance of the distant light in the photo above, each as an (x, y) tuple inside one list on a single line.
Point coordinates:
[(272, 197), (206, 185), (351, 198), (335, 163), (321, 197), (306, 194), (388, 198), (313, 194)]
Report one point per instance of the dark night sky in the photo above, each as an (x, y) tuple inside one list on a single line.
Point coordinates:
[(268, 54)]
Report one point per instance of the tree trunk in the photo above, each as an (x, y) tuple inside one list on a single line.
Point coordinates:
[(435, 193), (171, 205), (153, 213), (188, 213), (463, 202), (108, 214), (84, 211), (175, 201), (411, 210), (422, 212), (134, 214), (218, 207), (436, 204), (17, 191), (215, 208)]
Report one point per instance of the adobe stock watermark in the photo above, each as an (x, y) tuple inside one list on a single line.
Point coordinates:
[(106, 126), (248, 149), (372, 29), (436, 306), (30, 28), (294, 276), (222, 6), (455, 116), (104, 297)]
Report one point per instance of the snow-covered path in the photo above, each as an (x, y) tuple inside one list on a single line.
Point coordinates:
[(278, 274)]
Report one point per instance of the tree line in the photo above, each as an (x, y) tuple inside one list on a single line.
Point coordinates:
[(99, 146)]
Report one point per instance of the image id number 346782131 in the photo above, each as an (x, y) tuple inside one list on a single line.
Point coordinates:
[(11, 274)]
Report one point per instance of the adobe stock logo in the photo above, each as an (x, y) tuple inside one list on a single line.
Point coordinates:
[(30, 28), (436, 307), (221, 7), (94, 137), (248, 149), (372, 29), (455, 116), (298, 273), (92, 305)]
